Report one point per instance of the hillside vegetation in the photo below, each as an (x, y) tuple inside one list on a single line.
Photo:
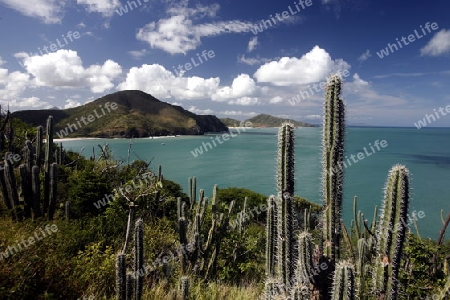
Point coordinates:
[(138, 115)]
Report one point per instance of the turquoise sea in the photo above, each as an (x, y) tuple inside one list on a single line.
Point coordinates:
[(248, 160)]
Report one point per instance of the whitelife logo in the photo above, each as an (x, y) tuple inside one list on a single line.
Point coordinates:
[(90, 118), (411, 38)]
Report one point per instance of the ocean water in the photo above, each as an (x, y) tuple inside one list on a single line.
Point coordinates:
[(248, 160)]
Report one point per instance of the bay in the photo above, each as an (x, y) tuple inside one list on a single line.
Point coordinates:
[(248, 160)]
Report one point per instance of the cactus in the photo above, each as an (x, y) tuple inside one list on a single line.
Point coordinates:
[(121, 277), (10, 183), (39, 143), (36, 192), (304, 272), (138, 257), (48, 162), (344, 282), (129, 286), (52, 192), (392, 232), (197, 255), (25, 185), (271, 236), (184, 287), (192, 191), (286, 255), (333, 173)]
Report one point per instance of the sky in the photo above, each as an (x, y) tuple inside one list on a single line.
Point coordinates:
[(232, 58)]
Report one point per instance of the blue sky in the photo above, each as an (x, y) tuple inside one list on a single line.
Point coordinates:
[(66, 53)]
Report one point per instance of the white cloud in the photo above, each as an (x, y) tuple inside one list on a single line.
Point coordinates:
[(245, 101), (242, 86), (28, 103), (178, 33), (104, 7), (71, 103), (13, 84), (252, 44), (237, 113), (365, 56), (252, 60), (198, 111), (49, 11), (312, 67), (438, 45), (275, 100), (64, 68), (314, 117), (138, 54), (161, 83)]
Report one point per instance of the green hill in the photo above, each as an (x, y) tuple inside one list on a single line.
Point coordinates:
[(229, 122), (264, 120), (137, 115)]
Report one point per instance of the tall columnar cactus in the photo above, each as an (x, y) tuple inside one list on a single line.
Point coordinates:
[(36, 192), (286, 224), (121, 276), (10, 181), (285, 157), (192, 191), (48, 161), (25, 185), (333, 170), (344, 287), (184, 287), (39, 143), (271, 236), (138, 257), (304, 273), (392, 232), (53, 179)]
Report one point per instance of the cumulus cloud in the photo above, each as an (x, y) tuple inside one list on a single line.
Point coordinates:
[(161, 83), (12, 84), (180, 33), (71, 103), (64, 68), (438, 45), (237, 113), (48, 11), (252, 44), (242, 86), (312, 67)]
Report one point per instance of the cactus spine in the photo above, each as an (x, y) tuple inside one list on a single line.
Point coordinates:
[(333, 173), (344, 282), (286, 255), (392, 232)]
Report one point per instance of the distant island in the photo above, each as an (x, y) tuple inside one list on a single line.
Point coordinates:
[(264, 120), (135, 114)]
